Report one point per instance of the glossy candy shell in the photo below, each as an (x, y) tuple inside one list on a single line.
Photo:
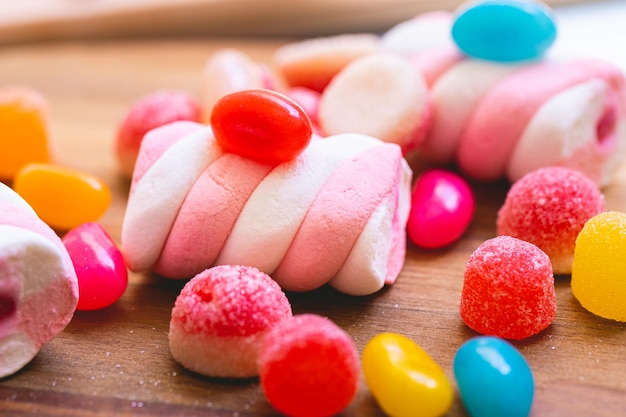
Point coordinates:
[(261, 125), (494, 378), (63, 198), (504, 30), (599, 269), (24, 130), (442, 207), (404, 379), (99, 264)]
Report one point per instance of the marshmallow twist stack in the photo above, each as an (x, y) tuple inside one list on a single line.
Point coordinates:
[(336, 214), (505, 120), (38, 285)]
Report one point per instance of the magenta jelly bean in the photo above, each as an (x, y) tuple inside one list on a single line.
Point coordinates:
[(99, 264), (442, 207)]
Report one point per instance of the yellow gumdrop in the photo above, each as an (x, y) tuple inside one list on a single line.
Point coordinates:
[(62, 197), (404, 379), (24, 133), (599, 269)]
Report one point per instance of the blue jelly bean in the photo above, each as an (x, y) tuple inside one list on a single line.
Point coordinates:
[(493, 377), (504, 30)]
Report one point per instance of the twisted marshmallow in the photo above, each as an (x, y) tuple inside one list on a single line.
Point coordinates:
[(497, 120), (336, 214)]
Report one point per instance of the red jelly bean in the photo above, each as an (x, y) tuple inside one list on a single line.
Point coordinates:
[(99, 264), (309, 367), (442, 207), (262, 125)]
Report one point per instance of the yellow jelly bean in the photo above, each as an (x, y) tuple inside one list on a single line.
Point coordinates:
[(62, 197), (599, 269), (404, 379), (24, 136)]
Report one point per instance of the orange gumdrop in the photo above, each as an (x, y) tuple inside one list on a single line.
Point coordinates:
[(62, 197), (24, 133)]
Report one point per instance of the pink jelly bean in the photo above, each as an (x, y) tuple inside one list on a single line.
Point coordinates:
[(99, 264), (308, 99), (442, 207)]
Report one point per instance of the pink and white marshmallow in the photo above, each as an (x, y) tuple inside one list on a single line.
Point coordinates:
[(38, 285), (336, 214), (380, 95), (499, 120)]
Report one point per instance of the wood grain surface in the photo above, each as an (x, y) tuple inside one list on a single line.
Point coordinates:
[(116, 361)]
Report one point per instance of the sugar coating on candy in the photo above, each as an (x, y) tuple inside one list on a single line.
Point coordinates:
[(508, 289), (599, 270), (149, 112), (309, 367), (220, 318), (548, 207)]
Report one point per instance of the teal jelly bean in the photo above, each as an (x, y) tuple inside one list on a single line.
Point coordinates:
[(493, 377), (504, 30)]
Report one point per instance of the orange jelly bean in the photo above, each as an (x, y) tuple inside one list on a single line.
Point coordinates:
[(24, 133), (62, 197)]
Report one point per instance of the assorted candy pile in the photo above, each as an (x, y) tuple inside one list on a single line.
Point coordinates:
[(67, 200), (276, 161), (235, 321), (265, 212)]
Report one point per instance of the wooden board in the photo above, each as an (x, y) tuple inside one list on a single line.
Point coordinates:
[(37, 20), (116, 361)]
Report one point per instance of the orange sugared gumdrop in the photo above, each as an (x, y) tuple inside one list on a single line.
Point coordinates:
[(63, 198), (24, 132), (599, 269)]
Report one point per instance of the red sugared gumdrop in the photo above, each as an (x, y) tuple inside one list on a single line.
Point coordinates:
[(309, 367), (99, 264), (261, 125), (220, 318), (548, 207), (508, 289), (152, 111), (442, 207)]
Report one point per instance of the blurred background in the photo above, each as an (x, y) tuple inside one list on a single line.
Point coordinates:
[(37, 20), (594, 28)]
